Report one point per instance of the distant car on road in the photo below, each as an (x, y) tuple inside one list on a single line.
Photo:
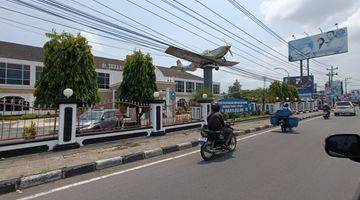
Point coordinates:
[(344, 108), (99, 119)]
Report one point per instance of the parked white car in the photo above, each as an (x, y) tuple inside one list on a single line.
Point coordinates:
[(344, 108)]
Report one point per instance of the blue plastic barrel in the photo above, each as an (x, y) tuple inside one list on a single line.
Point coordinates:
[(274, 120), (294, 121)]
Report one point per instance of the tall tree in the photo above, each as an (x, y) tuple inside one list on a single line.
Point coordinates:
[(68, 63), (235, 90), (139, 79), (198, 94), (282, 91)]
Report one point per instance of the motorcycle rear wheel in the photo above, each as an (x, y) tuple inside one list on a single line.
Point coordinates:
[(232, 145), (205, 151)]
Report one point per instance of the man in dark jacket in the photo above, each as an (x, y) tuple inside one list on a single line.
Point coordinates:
[(216, 122)]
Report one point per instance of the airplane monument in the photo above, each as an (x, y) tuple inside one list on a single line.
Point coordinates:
[(207, 61)]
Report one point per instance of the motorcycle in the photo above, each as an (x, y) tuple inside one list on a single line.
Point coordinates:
[(326, 114), (283, 119), (284, 124), (212, 142)]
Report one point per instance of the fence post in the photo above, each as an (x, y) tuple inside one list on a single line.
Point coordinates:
[(195, 113), (277, 106), (67, 124), (205, 109), (156, 107)]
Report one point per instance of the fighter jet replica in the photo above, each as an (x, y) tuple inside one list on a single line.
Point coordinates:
[(214, 58)]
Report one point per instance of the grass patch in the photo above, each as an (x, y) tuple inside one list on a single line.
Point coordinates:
[(26, 116), (132, 144)]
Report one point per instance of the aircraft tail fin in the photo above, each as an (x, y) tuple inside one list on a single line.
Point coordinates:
[(179, 64)]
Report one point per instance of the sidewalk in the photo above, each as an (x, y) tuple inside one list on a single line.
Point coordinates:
[(21, 166)]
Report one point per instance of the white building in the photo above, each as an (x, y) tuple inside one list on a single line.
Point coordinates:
[(21, 65)]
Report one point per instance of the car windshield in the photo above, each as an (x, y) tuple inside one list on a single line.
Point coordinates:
[(343, 103), (91, 115)]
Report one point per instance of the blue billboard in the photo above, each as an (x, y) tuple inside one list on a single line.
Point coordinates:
[(304, 85), (324, 44), (237, 106)]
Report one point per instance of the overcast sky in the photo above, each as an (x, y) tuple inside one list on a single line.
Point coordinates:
[(285, 17)]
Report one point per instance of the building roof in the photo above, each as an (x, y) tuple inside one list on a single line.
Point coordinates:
[(20, 51), (168, 72), (32, 53)]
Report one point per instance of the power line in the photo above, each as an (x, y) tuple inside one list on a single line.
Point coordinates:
[(124, 34), (46, 31), (157, 32), (78, 29), (232, 36), (262, 25)]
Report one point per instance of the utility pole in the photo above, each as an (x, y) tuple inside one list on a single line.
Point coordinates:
[(346, 82), (301, 68), (264, 95), (307, 67), (331, 75), (331, 79)]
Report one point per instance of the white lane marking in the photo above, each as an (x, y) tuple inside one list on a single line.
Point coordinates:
[(138, 167)]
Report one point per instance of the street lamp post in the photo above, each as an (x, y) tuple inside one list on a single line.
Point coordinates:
[(287, 72)]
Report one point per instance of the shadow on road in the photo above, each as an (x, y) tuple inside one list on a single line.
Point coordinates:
[(292, 132), (221, 157)]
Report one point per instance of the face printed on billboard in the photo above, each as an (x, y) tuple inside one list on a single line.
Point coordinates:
[(329, 43)]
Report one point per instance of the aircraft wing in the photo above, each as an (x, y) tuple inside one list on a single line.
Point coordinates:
[(188, 55), (227, 63), (184, 69)]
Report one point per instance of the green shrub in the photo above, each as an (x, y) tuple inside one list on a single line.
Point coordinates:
[(30, 132)]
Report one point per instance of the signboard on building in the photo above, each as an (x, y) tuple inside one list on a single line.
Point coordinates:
[(303, 84), (355, 94), (324, 44), (237, 106), (111, 66)]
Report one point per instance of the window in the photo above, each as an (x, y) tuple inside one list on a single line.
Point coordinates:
[(13, 103), (199, 85), (38, 72), (2, 73), (109, 114), (14, 74), (216, 89), (103, 80), (181, 103), (179, 86), (189, 87)]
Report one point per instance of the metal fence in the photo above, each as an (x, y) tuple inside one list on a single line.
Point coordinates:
[(20, 121), (174, 116), (109, 116)]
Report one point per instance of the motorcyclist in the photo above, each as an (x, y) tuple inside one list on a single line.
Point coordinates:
[(284, 115), (327, 109), (286, 107), (216, 122)]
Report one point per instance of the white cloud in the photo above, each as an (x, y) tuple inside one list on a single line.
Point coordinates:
[(300, 15), (93, 41), (353, 22), (306, 12)]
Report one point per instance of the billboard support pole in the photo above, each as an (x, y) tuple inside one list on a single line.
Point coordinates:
[(301, 68), (307, 67)]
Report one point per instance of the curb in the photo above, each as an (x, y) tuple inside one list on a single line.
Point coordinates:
[(30, 181), (111, 162), (7, 186)]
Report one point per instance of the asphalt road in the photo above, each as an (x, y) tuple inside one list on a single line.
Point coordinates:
[(270, 165)]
